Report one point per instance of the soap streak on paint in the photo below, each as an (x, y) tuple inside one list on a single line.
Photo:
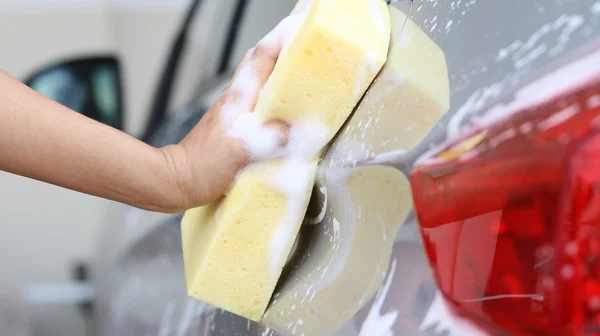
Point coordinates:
[(396, 158), (559, 117), (383, 227), (522, 55), (444, 322), (267, 332), (343, 228), (167, 318), (596, 8), (321, 215), (188, 314), (376, 324), (336, 229), (552, 84)]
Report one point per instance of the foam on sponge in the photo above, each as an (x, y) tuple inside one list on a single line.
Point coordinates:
[(235, 249)]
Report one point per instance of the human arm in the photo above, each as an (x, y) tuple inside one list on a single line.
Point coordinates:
[(46, 141)]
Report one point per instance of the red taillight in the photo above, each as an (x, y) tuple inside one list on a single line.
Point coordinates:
[(576, 270), (501, 217)]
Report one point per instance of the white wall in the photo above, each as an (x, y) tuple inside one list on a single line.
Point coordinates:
[(43, 229)]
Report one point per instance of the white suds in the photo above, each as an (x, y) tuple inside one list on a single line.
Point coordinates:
[(295, 173), (376, 324), (260, 141)]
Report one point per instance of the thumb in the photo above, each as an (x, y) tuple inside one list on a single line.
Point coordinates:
[(262, 140), (281, 129), (271, 141)]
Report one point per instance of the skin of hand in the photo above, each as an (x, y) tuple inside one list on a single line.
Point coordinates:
[(46, 141), (212, 166)]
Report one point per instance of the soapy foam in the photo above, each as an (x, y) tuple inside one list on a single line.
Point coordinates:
[(261, 142), (305, 143), (293, 177), (283, 34), (376, 324)]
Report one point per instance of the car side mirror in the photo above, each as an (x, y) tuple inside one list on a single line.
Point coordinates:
[(91, 86)]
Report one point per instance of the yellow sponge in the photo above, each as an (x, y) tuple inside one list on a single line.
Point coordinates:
[(355, 230), (235, 249)]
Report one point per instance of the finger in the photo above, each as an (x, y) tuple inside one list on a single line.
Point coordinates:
[(252, 76), (281, 129), (240, 66), (249, 78), (258, 65), (262, 140)]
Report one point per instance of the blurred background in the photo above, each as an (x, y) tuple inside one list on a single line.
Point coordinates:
[(64, 255), (44, 230)]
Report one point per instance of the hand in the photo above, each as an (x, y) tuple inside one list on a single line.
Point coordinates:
[(206, 162), (46, 141)]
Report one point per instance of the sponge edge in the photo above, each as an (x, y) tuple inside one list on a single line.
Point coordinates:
[(241, 265), (333, 59), (234, 250), (350, 246)]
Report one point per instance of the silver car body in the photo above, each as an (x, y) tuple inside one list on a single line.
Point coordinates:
[(491, 47)]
